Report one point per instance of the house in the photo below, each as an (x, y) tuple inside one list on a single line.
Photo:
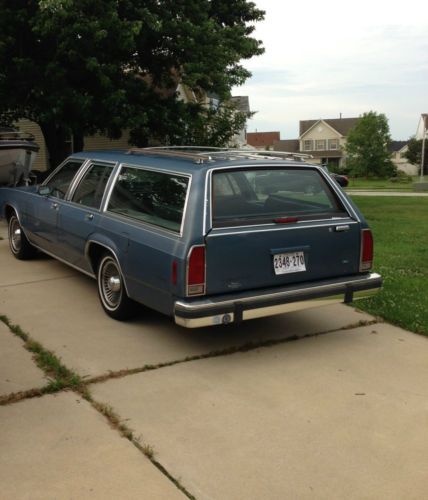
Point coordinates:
[(398, 151), (242, 104), (90, 143), (422, 127), (324, 139), (99, 142), (263, 140)]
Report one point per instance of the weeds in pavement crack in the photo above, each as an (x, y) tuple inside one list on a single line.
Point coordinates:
[(60, 376), (117, 423)]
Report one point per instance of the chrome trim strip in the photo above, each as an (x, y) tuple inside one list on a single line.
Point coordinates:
[(84, 161), (109, 189), (81, 174), (272, 227), (186, 203), (207, 205)]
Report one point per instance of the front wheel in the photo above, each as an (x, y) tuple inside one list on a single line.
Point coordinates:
[(111, 289), (19, 245)]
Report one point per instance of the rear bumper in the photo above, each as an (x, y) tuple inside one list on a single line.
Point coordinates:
[(230, 308)]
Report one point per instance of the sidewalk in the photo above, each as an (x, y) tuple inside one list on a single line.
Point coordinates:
[(378, 192), (324, 403)]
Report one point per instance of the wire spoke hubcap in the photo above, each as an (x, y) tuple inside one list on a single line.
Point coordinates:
[(15, 235), (111, 284)]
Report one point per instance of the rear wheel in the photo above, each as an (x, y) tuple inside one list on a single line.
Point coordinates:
[(111, 289), (19, 245)]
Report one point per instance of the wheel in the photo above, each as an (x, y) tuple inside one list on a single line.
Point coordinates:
[(111, 289), (19, 245)]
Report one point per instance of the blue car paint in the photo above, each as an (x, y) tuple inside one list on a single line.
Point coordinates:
[(237, 259)]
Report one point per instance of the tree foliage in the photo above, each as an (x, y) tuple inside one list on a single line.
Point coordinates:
[(82, 66), (414, 153), (367, 147)]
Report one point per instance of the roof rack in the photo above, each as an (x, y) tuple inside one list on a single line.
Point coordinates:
[(166, 151), (266, 155), (201, 154)]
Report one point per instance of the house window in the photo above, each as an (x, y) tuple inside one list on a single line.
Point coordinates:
[(320, 145), (307, 145), (333, 144)]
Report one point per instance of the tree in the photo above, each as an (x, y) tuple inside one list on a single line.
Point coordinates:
[(81, 66), (367, 147), (414, 153)]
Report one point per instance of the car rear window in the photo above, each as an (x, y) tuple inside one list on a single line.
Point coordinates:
[(157, 198), (260, 196)]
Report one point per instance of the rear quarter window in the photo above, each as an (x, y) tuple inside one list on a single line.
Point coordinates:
[(261, 196), (157, 198)]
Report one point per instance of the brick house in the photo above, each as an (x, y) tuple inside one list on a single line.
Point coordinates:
[(263, 140)]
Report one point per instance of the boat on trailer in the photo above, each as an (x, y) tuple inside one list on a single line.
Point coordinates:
[(18, 150)]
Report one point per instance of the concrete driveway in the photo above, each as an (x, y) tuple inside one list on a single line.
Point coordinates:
[(222, 413)]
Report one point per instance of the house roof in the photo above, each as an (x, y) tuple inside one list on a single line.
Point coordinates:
[(341, 125), (242, 103), (289, 145), (262, 139), (394, 146), (422, 126)]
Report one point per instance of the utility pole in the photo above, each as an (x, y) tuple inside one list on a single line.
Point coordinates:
[(424, 123)]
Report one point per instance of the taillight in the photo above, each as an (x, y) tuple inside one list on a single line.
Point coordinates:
[(196, 271), (366, 260)]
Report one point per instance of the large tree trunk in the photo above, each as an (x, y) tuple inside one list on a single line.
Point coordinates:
[(77, 141), (57, 139)]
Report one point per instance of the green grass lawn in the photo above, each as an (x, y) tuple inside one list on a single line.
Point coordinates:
[(400, 229), (361, 183)]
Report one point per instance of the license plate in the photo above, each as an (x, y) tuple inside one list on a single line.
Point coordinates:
[(293, 262)]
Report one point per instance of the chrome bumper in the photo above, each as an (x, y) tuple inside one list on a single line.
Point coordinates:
[(234, 308)]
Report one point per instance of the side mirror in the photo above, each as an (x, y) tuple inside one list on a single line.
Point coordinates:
[(44, 190)]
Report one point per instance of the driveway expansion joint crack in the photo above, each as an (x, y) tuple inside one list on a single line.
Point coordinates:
[(10, 285), (63, 379), (250, 346)]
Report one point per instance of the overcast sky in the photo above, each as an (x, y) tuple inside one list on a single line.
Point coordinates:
[(331, 57)]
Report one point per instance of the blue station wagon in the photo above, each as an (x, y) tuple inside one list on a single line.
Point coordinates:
[(206, 236)]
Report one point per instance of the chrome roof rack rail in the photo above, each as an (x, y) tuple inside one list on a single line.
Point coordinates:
[(171, 152), (268, 155)]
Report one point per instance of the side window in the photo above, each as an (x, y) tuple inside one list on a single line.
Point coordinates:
[(91, 188), (154, 197), (61, 180)]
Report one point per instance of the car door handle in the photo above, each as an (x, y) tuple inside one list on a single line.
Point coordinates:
[(89, 216), (54, 206), (340, 229)]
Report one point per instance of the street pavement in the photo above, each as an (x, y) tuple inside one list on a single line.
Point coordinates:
[(326, 403)]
